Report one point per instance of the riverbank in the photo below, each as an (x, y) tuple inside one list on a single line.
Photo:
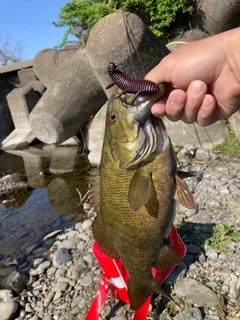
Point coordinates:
[(206, 287)]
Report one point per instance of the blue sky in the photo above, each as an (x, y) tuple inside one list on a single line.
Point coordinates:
[(29, 22)]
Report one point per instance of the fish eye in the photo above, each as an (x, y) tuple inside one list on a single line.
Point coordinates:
[(113, 116)]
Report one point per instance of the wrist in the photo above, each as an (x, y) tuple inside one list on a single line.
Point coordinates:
[(231, 44)]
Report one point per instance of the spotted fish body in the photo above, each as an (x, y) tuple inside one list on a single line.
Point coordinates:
[(137, 189)]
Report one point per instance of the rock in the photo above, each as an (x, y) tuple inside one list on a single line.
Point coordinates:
[(7, 310), (88, 258), (61, 256), (6, 271), (87, 224), (86, 281), (48, 317), (75, 271), (203, 154), (119, 317), (15, 281), (6, 295), (178, 273), (52, 235), (60, 286), (192, 248), (196, 293), (48, 299), (235, 201), (189, 314), (69, 243)]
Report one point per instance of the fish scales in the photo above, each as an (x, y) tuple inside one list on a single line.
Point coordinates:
[(137, 188)]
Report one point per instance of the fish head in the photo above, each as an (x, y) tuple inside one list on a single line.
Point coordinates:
[(133, 133)]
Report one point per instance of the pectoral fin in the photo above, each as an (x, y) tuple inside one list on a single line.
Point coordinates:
[(183, 194), (168, 257), (139, 190), (102, 240)]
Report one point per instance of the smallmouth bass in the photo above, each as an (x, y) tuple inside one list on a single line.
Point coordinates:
[(138, 184)]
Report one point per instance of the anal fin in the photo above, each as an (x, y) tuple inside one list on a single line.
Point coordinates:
[(101, 238)]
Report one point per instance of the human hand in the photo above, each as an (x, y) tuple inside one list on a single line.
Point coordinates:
[(203, 78)]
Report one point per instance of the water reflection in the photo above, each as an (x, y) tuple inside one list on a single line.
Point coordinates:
[(48, 202)]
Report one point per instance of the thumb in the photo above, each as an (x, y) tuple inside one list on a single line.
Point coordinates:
[(162, 72)]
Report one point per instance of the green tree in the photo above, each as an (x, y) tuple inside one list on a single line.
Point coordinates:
[(79, 16)]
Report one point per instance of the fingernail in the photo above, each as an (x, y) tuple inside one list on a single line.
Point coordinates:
[(177, 101)]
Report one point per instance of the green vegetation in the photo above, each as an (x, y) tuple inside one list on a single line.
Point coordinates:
[(80, 16), (230, 146), (222, 235)]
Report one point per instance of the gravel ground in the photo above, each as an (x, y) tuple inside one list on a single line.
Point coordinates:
[(206, 286)]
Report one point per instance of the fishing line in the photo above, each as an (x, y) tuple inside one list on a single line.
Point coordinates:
[(128, 40)]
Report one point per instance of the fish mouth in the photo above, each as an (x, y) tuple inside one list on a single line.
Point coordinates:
[(142, 104), (150, 138)]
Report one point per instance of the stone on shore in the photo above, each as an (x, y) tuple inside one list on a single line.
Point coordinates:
[(61, 256), (8, 310), (196, 293), (15, 281)]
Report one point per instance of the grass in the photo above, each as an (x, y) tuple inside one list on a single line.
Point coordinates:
[(230, 146), (223, 233)]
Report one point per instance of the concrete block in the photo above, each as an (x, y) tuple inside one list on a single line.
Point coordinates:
[(64, 159), (95, 136), (34, 170), (74, 96), (37, 86), (48, 63), (108, 42), (5, 117), (215, 16), (234, 121), (26, 75), (18, 138), (21, 101), (183, 134)]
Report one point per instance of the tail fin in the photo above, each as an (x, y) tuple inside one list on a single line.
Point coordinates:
[(138, 292)]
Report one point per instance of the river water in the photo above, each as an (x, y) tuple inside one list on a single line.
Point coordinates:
[(48, 202)]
